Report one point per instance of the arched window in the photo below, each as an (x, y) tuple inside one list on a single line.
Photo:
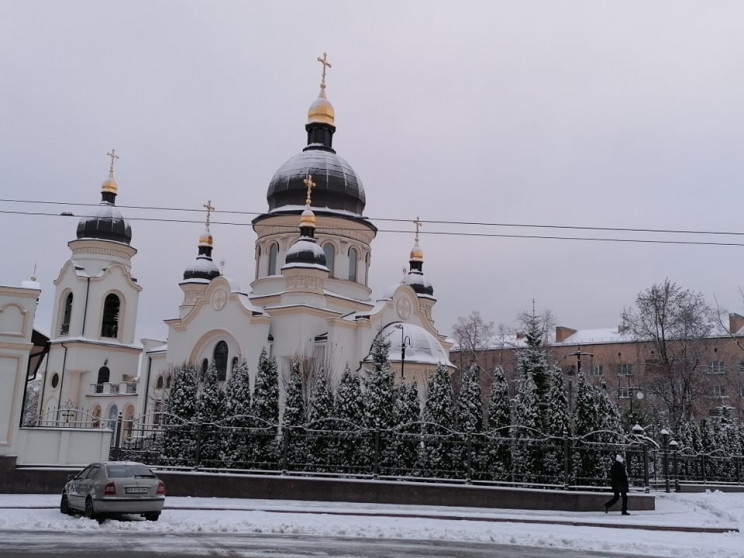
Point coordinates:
[(220, 360), (330, 256), (110, 322), (64, 328), (258, 259), (273, 254), (203, 370), (353, 261), (160, 382), (168, 381), (104, 375), (235, 363), (112, 416), (366, 268)]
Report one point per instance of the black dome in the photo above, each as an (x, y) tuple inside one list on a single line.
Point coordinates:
[(305, 251), (337, 187), (106, 224)]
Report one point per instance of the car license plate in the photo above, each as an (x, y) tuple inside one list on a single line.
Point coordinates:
[(135, 490)]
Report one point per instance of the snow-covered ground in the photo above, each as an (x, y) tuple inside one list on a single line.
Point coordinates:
[(219, 515)]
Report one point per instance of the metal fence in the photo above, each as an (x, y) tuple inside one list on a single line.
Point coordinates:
[(418, 451)]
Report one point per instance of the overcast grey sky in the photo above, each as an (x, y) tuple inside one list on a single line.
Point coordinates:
[(574, 113)]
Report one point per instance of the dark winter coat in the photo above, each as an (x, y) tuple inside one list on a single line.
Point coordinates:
[(618, 477)]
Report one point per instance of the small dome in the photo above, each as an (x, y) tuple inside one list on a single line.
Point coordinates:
[(321, 111), (418, 283), (110, 185), (106, 223), (424, 348), (305, 252), (202, 268), (206, 238), (417, 254), (337, 185)]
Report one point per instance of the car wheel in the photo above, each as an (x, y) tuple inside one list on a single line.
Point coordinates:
[(90, 512), (64, 506), (152, 516)]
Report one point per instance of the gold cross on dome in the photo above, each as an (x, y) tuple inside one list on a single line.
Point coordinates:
[(209, 207), (326, 64), (310, 185), (417, 221), (113, 156)]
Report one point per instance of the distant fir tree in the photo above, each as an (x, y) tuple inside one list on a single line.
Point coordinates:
[(436, 455), (265, 410), (689, 439), (294, 419), (406, 436), (497, 454), (525, 433), (237, 444), (353, 442), (210, 419), (322, 448), (557, 427), (179, 442)]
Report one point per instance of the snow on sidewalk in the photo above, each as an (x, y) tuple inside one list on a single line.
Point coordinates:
[(639, 535)]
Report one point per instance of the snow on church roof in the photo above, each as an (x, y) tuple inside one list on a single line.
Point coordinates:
[(424, 348)]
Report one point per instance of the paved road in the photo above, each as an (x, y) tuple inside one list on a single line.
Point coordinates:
[(82, 544)]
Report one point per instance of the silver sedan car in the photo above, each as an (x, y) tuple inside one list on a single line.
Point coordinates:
[(116, 487)]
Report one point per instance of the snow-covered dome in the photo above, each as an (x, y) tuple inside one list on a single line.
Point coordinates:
[(106, 223), (419, 283), (424, 348), (305, 252), (203, 268)]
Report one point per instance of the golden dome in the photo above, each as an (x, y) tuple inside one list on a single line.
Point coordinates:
[(417, 253), (109, 185), (206, 238), (321, 111), (308, 218)]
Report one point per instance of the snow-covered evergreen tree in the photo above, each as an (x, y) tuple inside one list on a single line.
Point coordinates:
[(469, 419), (533, 361), (439, 422), (180, 438), (525, 434), (406, 436), (294, 436), (557, 426), (210, 420), (378, 387), (322, 449), (497, 456), (265, 411), (237, 442), (31, 405), (353, 442)]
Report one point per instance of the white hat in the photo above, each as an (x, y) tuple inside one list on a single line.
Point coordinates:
[(619, 458)]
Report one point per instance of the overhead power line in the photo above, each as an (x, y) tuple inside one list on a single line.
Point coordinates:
[(407, 231)]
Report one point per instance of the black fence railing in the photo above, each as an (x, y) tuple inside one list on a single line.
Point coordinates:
[(417, 451)]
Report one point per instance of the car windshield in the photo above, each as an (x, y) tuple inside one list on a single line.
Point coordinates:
[(123, 470)]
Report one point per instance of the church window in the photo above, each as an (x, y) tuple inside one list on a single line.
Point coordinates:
[(366, 268), (64, 328), (203, 370), (168, 381), (258, 258), (110, 322), (353, 260), (55, 380), (112, 416), (220, 360), (235, 364), (273, 254), (104, 375), (160, 382), (330, 255)]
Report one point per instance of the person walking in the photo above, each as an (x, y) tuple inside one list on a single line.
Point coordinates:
[(619, 481)]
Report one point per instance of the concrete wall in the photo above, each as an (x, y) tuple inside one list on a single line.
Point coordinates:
[(62, 446)]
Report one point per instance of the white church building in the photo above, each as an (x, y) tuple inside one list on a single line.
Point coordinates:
[(308, 301)]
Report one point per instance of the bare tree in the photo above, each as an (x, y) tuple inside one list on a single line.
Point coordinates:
[(677, 323), (473, 335)]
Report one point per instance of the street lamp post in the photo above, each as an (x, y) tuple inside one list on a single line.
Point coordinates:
[(641, 434), (404, 340), (675, 450), (665, 436)]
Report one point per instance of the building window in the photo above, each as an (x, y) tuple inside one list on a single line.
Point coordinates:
[(110, 322), (625, 393), (113, 415), (220, 360), (366, 268), (104, 375), (273, 255), (719, 391), (203, 370), (353, 261), (55, 380), (64, 328), (595, 370), (717, 367), (624, 369), (160, 383), (330, 256)]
